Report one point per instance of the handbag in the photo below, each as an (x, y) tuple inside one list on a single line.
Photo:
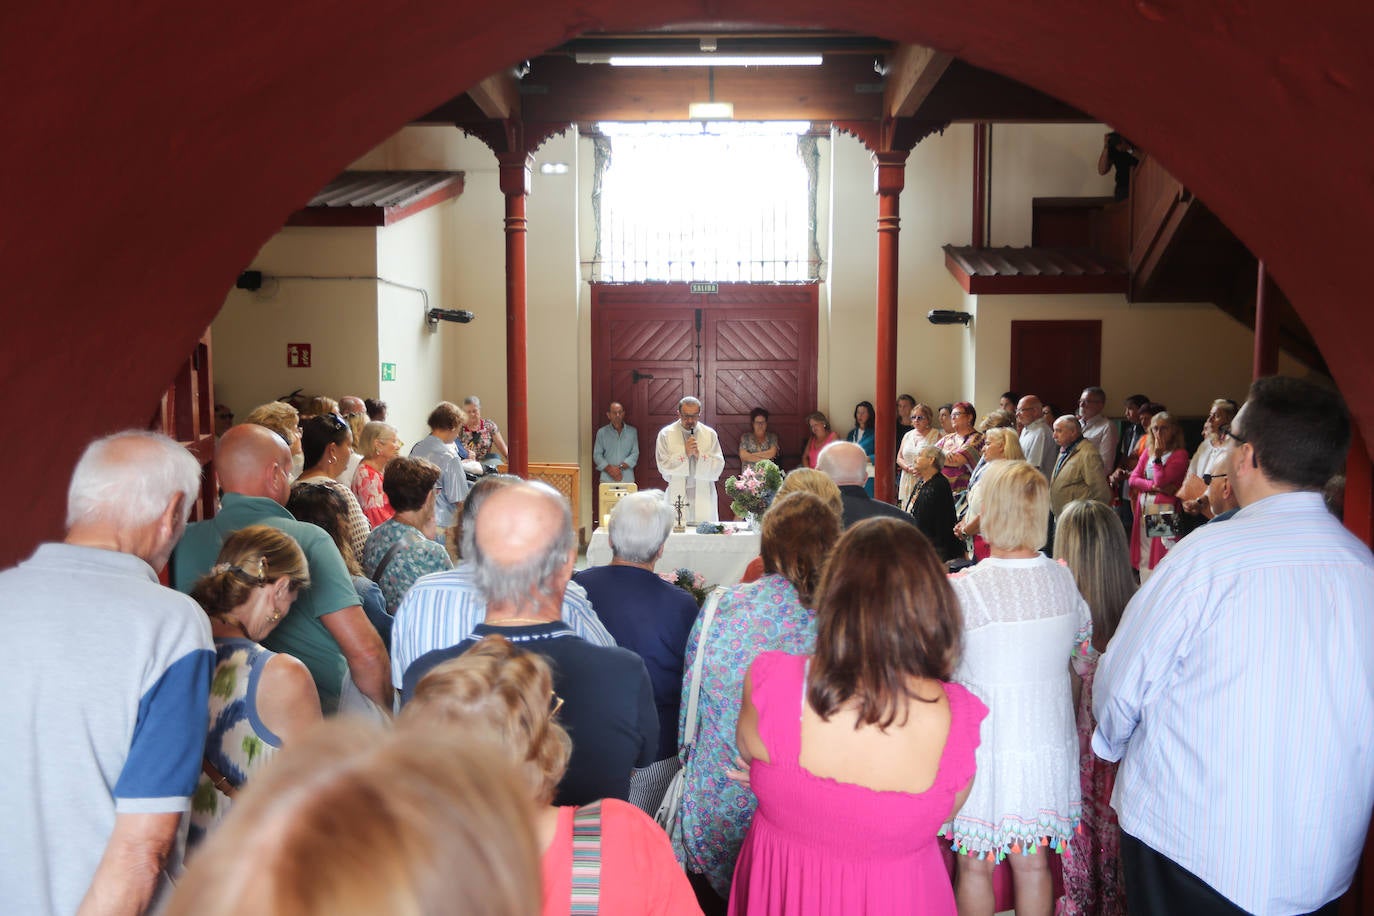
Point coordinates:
[(669, 811)]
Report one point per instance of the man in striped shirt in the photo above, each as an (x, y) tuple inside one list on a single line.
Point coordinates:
[(1238, 692), (441, 609)]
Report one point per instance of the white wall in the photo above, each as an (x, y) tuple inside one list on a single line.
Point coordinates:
[(412, 252), (336, 317), (1040, 160), (1181, 354)]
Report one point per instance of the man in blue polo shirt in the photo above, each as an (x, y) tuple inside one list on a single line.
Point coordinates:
[(106, 683)]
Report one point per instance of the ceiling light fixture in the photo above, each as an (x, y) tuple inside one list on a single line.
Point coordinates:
[(708, 59), (711, 111)]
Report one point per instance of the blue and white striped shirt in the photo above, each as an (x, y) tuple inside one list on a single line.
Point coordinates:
[(1239, 694), (441, 610)]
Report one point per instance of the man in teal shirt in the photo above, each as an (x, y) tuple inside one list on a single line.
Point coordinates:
[(616, 449), (326, 628)]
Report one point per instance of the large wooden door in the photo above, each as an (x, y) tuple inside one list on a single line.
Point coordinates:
[(1056, 360), (742, 347)]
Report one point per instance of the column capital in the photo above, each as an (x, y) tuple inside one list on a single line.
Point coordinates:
[(517, 172), (889, 171)]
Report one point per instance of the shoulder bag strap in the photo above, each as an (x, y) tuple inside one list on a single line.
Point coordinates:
[(689, 733), (586, 860), (391, 554)]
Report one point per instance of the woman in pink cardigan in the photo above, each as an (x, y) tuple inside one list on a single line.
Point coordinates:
[(1158, 474)]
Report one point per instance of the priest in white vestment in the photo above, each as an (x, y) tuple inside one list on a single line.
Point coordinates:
[(689, 458)]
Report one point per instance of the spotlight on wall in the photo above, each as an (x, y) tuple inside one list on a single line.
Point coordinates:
[(434, 316), (947, 316)]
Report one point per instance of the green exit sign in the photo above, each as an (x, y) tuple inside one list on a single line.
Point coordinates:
[(388, 372), (704, 289)]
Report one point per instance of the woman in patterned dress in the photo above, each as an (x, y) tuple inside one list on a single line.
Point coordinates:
[(259, 700), (774, 613), (402, 548), (1089, 540), (758, 444), (481, 437)]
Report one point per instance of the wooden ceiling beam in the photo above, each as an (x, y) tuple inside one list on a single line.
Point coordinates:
[(912, 72), (498, 96)]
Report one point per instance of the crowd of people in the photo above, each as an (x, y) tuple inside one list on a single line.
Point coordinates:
[(1072, 656)]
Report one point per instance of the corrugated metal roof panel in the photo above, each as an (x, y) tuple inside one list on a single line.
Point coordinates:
[(1034, 270), (377, 198)]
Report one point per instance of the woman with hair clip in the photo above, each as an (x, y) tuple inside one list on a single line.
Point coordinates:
[(1089, 540), (259, 700), (499, 692), (851, 791), (326, 444)]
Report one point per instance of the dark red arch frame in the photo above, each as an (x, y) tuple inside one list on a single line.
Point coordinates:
[(148, 157)]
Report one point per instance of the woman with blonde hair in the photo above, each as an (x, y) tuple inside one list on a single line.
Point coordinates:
[(1024, 619), (1089, 540), (802, 480), (1159, 474), (999, 442), (261, 699), (284, 420), (506, 694), (357, 820), (379, 444)]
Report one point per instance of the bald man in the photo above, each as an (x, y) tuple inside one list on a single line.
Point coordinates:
[(326, 627), (1037, 439), (525, 549), (846, 463)]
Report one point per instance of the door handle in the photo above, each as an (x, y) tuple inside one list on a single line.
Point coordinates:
[(636, 376)]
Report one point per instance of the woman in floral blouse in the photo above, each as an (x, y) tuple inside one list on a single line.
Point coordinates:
[(481, 437), (380, 445), (771, 614)]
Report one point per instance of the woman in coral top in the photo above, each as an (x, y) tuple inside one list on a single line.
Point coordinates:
[(821, 436), (506, 694), (379, 444)]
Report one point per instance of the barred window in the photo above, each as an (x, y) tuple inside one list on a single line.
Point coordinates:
[(722, 201)]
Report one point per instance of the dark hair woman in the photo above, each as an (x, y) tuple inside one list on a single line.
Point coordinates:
[(326, 445), (862, 435)]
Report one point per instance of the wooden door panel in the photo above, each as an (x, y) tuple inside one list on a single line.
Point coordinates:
[(756, 347), (1056, 360), (658, 336)]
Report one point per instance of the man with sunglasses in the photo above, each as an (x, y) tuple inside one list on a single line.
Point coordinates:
[(1236, 691)]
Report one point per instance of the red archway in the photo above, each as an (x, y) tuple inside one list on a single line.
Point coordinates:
[(149, 156)]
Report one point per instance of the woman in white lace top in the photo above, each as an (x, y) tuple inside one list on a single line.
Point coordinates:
[(1024, 619)]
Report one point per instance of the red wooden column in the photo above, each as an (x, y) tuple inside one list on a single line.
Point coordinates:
[(516, 171), (889, 177), (1266, 326)]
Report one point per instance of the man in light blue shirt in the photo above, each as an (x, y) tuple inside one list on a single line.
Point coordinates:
[(616, 450), (1238, 692), (441, 609)]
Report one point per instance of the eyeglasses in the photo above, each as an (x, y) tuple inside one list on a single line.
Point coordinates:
[(1229, 432), (555, 704), (1208, 478)]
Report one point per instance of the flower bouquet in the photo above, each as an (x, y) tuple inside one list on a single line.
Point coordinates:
[(688, 581), (753, 489)]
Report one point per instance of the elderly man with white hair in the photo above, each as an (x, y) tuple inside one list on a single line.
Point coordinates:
[(524, 553), (846, 463), (649, 617), (106, 686)]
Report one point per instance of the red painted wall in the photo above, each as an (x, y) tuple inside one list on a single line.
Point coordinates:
[(150, 150)]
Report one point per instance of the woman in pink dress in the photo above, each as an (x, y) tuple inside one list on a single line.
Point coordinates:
[(852, 791)]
